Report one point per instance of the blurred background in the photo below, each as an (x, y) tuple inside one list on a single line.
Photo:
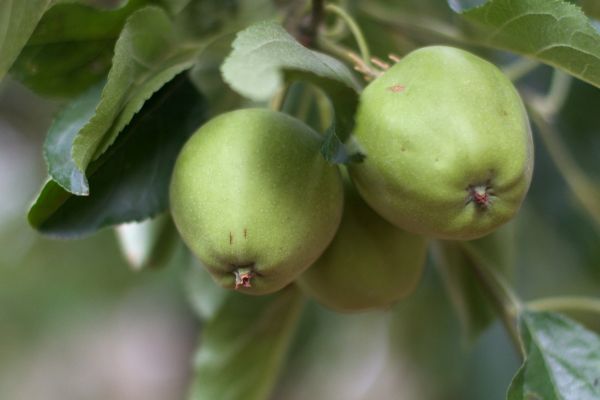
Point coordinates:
[(76, 322)]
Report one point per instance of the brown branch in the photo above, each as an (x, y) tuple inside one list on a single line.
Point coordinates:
[(309, 28)]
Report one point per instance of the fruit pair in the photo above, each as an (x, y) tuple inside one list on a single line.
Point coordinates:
[(448, 155), (254, 199)]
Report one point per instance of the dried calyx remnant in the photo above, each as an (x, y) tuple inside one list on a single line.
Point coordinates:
[(244, 275), (481, 195)]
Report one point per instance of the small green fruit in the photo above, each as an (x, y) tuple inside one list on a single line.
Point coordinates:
[(254, 199), (370, 263), (448, 146)]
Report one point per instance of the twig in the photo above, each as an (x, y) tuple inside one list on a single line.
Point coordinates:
[(566, 303), (355, 29)]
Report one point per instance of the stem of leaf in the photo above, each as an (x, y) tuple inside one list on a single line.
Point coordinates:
[(279, 97), (304, 104), (324, 109), (519, 68), (566, 303), (338, 50), (339, 30), (355, 29), (505, 301), (557, 95)]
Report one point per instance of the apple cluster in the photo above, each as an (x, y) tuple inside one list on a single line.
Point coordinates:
[(449, 155)]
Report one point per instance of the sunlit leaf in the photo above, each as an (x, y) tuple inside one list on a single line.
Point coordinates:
[(265, 55)]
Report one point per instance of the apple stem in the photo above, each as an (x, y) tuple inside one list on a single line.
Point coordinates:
[(243, 277)]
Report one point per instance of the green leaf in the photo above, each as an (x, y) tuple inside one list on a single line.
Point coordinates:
[(130, 181), (147, 55), (71, 48), (563, 360), (147, 244), (59, 141), (337, 152), (244, 346), (204, 295), (175, 6), (18, 20), (265, 55), (205, 17), (552, 31), (206, 75), (458, 266)]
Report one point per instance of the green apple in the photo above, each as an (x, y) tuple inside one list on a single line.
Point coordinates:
[(370, 264), (448, 145), (254, 199)]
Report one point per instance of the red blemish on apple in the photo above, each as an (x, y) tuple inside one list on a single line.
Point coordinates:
[(397, 88)]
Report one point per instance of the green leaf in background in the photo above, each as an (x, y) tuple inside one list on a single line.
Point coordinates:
[(457, 266), (335, 151), (264, 55), (338, 356), (147, 55), (206, 76), (71, 48), (204, 295), (552, 31), (244, 346), (130, 181), (18, 19), (147, 244), (204, 17), (59, 140), (175, 6), (591, 8), (563, 360), (428, 347)]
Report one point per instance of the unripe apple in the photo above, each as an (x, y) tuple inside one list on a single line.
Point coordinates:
[(254, 199), (370, 264), (448, 145)]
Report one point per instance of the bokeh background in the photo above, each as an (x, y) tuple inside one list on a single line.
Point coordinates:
[(76, 322)]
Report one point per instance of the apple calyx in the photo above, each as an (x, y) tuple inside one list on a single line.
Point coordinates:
[(480, 195), (243, 277)]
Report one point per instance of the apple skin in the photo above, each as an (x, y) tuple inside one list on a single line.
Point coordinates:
[(371, 264), (448, 146), (251, 194)]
